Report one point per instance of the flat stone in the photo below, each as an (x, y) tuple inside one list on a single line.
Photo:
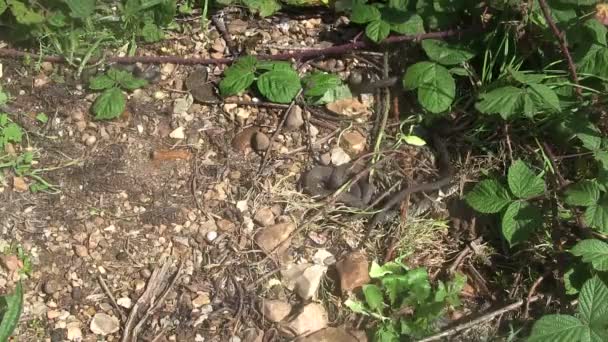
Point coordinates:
[(275, 310), (312, 318), (264, 217), (269, 238), (353, 271), (334, 335), (104, 324)]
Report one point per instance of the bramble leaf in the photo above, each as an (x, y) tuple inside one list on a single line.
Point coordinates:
[(101, 82), (558, 328), (523, 182), (408, 24), (109, 105), (362, 14), (318, 84), (444, 53), (592, 251), (24, 14), (377, 30), (373, 297), (81, 9), (596, 215), (519, 220), (435, 84), (125, 79), (593, 304), (239, 76), (280, 86), (488, 197), (583, 193)]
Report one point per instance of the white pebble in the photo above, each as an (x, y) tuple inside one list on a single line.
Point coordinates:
[(212, 235)]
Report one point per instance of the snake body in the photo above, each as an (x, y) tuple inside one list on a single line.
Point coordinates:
[(323, 181)]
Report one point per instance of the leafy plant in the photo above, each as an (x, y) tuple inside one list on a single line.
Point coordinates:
[(11, 307), (381, 19), (404, 302), (112, 102), (10, 132), (279, 82)]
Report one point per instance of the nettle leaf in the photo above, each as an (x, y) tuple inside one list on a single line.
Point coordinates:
[(398, 4), (596, 215), (377, 30), (81, 9), (110, 104), (318, 84), (558, 328), (593, 251), (239, 76), (519, 220), (435, 84), (280, 86), (362, 14), (488, 197), (593, 304), (523, 182), (373, 297), (593, 60), (545, 96), (386, 332), (24, 14), (583, 193), (444, 53)]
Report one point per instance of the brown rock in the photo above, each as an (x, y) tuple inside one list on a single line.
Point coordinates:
[(354, 142), (225, 225), (294, 118), (312, 318), (242, 141), (264, 217), (270, 237), (334, 335), (275, 310), (260, 142), (19, 184), (81, 250), (353, 270)]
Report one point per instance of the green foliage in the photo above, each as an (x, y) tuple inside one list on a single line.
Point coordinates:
[(380, 19), (520, 217), (112, 102), (279, 82), (10, 132), (588, 325), (11, 307), (398, 288)]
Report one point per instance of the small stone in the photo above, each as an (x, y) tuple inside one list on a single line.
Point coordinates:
[(334, 335), (229, 107), (219, 45), (270, 237), (275, 310), (225, 225), (81, 126), (81, 250), (104, 324), (77, 115), (181, 105), (354, 141), (76, 293), (145, 273), (313, 130), (200, 300), (353, 271), (305, 279), (260, 142), (312, 318), (11, 262), (74, 332), (125, 302), (178, 133), (339, 157), (264, 217), (122, 256), (139, 285), (52, 314), (211, 235), (242, 141), (46, 66), (325, 159), (242, 115), (294, 118), (19, 184), (51, 286), (234, 339)]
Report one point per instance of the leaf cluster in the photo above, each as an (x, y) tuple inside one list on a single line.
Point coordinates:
[(404, 302), (112, 102)]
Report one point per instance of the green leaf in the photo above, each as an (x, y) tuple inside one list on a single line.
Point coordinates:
[(12, 133), (593, 303), (583, 193), (125, 79), (444, 53), (11, 311), (264, 8), (558, 328), (239, 76), (57, 19), (318, 84), (386, 332), (523, 182), (362, 14), (280, 86), (436, 86), (81, 9), (41, 117), (544, 97), (109, 105), (596, 30), (356, 306), (586, 132), (3, 97), (506, 101), (377, 30), (410, 24), (519, 220), (527, 78), (488, 197), (3, 6), (101, 82), (596, 215), (274, 65), (579, 2), (592, 59), (332, 95), (151, 32), (377, 271), (593, 251), (373, 297), (575, 277), (401, 5), (24, 14)]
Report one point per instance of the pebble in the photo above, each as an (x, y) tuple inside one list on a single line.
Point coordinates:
[(200, 300), (264, 217), (339, 157), (294, 118), (178, 133), (139, 285), (74, 332), (125, 302), (145, 273), (260, 142), (353, 271), (51, 286), (122, 256), (325, 159), (104, 324), (81, 250), (76, 293), (211, 235), (52, 314), (275, 310)]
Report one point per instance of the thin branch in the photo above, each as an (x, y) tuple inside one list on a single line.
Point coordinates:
[(479, 320), (561, 37), (333, 50)]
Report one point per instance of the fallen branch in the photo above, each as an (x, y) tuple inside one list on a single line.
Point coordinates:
[(561, 37), (308, 53), (479, 320)]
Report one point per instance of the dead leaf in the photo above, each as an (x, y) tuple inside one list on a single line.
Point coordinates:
[(349, 107)]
